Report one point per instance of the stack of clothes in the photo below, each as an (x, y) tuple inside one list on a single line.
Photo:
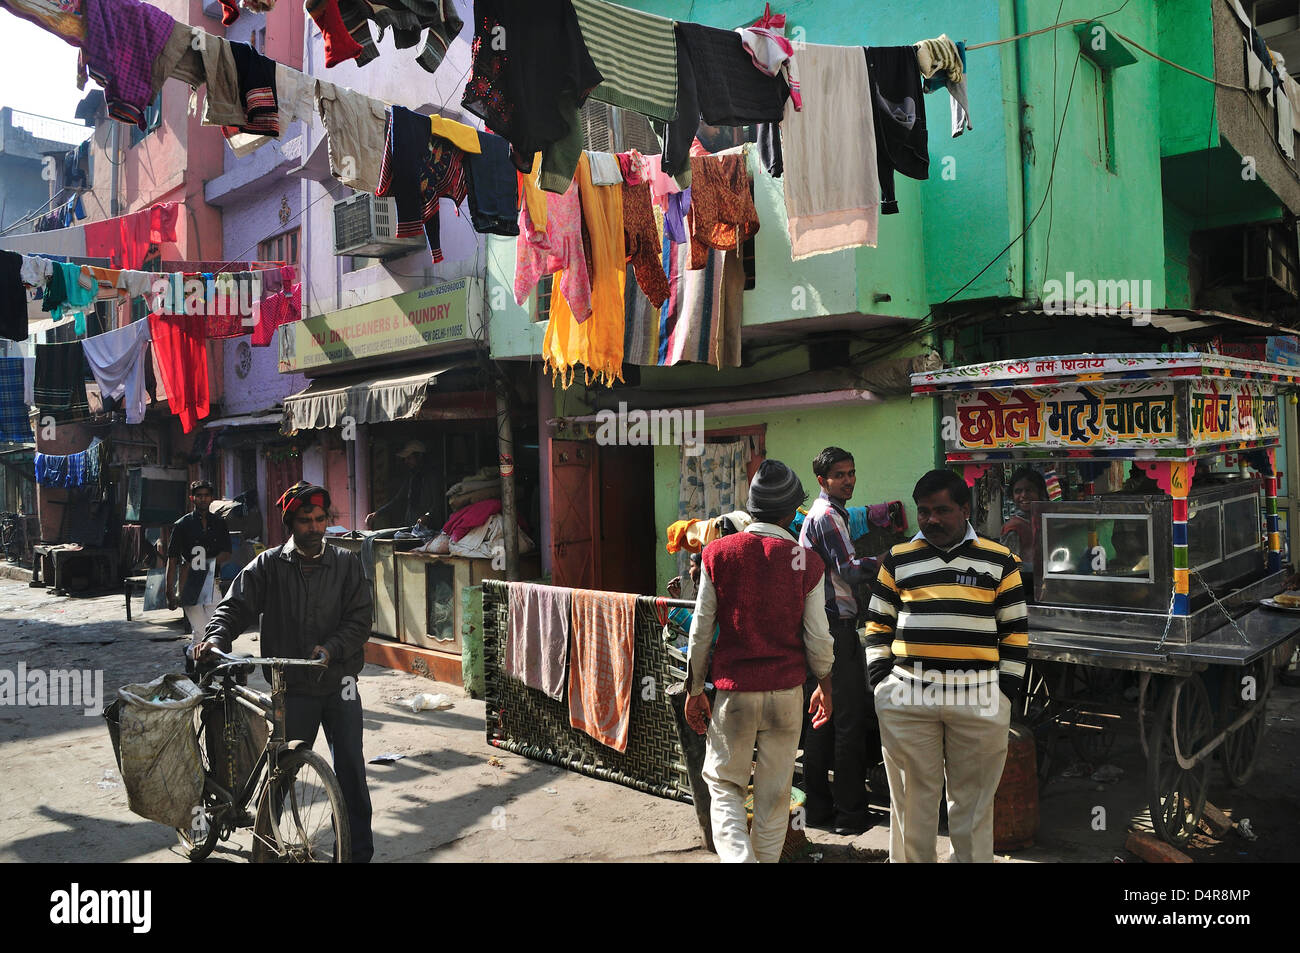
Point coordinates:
[(475, 528)]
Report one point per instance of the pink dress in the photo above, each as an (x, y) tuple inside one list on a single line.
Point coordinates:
[(559, 248)]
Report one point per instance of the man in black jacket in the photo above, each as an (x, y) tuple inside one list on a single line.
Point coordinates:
[(314, 600)]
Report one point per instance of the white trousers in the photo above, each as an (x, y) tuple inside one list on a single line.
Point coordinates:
[(741, 720), (199, 617), (928, 741)]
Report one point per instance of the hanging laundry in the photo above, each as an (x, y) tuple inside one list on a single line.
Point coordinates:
[(123, 39), (222, 103), (118, 360), (533, 198), (537, 646), (558, 248), (295, 97), (257, 91), (179, 59), (700, 321), (15, 426), (771, 52), (605, 169), (596, 343), (662, 184), (636, 53), (103, 239), (182, 357), (137, 284), (347, 37), (409, 18), (633, 166), (679, 206), (69, 290), (641, 237), (898, 111), (943, 64), (418, 169), (29, 381), (64, 20), (717, 80), (830, 206), (722, 215), (222, 306), (601, 656), (490, 181), (768, 141), (640, 324), (531, 73), (281, 304), (357, 129), (13, 296), (60, 382), (73, 469), (36, 270)]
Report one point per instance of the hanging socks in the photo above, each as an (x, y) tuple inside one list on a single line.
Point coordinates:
[(340, 46)]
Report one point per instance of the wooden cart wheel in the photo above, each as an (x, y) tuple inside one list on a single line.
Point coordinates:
[(1037, 711), (1177, 794), (1244, 689)]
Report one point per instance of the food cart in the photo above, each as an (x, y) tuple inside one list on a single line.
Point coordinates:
[(1157, 589)]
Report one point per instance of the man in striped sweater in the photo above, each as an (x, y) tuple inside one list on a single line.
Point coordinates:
[(946, 644)]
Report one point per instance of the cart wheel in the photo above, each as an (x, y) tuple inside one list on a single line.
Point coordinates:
[(1036, 709), (1244, 689), (1177, 794)]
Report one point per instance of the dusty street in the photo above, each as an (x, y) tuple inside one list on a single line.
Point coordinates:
[(452, 797)]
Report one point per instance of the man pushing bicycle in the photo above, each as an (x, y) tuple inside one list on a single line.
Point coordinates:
[(314, 601)]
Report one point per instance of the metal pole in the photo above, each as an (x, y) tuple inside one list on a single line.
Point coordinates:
[(506, 465)]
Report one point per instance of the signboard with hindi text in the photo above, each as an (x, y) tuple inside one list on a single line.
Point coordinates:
[(1112, 415), (429, 319)]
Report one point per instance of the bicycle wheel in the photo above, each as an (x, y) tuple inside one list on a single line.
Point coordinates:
[(301, 819)]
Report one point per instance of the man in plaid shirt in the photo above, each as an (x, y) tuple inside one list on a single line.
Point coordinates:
[(842, 744)]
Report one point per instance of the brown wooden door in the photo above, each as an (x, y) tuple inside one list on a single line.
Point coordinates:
[(280, 475), (627, 530), (575, 544)]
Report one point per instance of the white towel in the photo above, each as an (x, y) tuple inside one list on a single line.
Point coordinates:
[(29, 380), (604, 168), (832, 187), (117, 361)]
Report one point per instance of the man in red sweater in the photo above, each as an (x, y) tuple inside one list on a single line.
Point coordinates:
[(764, 591)]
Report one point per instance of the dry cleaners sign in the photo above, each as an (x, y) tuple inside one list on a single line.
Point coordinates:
[(445, 314)]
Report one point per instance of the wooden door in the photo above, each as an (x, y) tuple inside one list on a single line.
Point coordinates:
[(626, 520), (575, 544), (280, 475)]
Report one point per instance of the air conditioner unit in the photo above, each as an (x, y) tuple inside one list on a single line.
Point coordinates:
[(366, 225), (1267, 257)]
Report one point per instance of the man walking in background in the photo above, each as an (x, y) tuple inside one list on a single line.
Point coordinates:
[(764, 591), (199, 543), (841, 745), (946, 646)]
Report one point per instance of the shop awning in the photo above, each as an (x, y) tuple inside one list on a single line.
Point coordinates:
[(367, 400)]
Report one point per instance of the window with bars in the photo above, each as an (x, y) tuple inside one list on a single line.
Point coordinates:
[(282, 247)]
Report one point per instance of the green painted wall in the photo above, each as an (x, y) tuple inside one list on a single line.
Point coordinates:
[(893, 443), (1187, 115)]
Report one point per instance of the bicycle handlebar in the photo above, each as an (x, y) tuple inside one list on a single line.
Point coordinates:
[(273, 662)]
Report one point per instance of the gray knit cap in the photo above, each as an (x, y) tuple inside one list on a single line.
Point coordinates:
[(775, 489)]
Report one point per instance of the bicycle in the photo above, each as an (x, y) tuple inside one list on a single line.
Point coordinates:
[(300, 815), (10, 535)]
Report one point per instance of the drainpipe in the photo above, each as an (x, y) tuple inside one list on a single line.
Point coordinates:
[(1028, 273)]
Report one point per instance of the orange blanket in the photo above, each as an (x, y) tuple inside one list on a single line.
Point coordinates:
[(603, 637)]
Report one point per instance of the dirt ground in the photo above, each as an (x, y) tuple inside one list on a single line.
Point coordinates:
[(453, 797)]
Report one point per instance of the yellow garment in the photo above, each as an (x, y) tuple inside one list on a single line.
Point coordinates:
[(534, 197), (68, 27), (463, 137), (105, 276), (597, 343), (700, 534), (677, 536)]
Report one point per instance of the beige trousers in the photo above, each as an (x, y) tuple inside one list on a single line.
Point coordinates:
[(928, 740), (740, 720)]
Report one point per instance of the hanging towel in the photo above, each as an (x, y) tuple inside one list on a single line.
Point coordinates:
[(898, 111), (182, 358), (722, 213), (605, 169), (123, 39), (556, 248), (597, 343), (537, 648), (601, 656), (60, 383), (13, 297), (14, 424), (641, 237), (831, 205), (771, 52), (717, 79), (118, 359), (491, 182), (418, 169)]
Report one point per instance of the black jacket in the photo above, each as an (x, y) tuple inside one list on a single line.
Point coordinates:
[(329, 606)]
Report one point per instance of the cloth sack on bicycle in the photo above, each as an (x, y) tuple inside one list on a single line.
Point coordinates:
[(232, 761), (159, 749)]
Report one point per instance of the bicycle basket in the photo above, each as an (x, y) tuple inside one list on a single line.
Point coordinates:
[(158, 749)]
